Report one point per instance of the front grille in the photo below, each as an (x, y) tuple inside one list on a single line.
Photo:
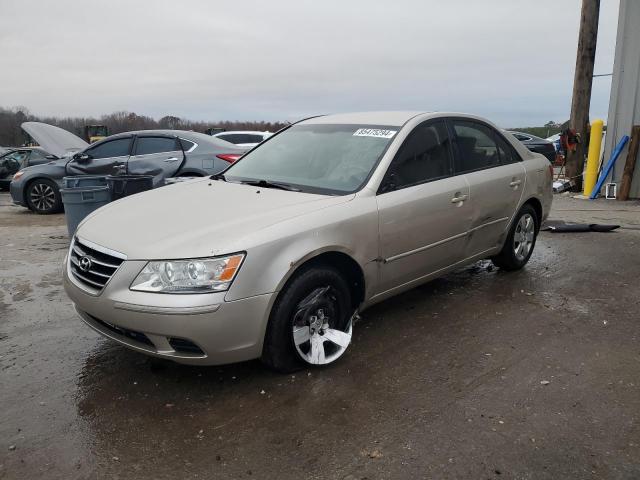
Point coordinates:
[(91, 267), (125, 332)]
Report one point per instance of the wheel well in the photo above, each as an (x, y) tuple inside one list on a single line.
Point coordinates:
[(537, 206), (345, 265)]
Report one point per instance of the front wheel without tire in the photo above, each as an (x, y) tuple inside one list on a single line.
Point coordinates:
[(43, 197), (520, 241), (310, 323)]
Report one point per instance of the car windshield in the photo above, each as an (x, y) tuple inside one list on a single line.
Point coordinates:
[(325, 159)]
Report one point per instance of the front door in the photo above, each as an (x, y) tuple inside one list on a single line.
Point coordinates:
[(496, 176), (104, 158), (160, 156), (423, 209)]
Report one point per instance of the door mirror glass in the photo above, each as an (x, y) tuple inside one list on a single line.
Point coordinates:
[(82, 157)]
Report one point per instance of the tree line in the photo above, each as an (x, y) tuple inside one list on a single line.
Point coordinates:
[(12, 135)]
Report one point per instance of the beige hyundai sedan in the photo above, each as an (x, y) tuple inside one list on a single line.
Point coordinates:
[(276, 257)]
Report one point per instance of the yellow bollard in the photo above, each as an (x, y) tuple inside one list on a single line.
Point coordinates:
[(591, 172)]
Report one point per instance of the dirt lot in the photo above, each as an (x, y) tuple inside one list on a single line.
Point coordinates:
[(481, 374)]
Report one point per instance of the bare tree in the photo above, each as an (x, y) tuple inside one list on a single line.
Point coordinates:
[(12, 135)]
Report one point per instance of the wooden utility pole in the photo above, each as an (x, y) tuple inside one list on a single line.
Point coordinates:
[(630, 165), (587, 40)]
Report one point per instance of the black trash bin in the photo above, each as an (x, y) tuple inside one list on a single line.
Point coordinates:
[(122, 186)]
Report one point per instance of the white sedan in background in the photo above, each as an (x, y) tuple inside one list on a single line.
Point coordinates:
[(245, 138)]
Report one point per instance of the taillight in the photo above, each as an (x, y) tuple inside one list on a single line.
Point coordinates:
[(229, 157)]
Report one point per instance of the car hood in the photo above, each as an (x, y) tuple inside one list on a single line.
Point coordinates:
[(54, 140), (199, 218)]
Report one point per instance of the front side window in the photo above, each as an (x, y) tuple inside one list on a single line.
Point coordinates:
[(423, 157), (330, 159), (113, 148), (150, 145), (476, 147)]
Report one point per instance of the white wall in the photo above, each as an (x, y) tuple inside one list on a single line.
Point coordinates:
[(624, 104)]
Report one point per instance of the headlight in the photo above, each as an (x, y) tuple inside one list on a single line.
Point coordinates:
[(18, 175), (199, 275)]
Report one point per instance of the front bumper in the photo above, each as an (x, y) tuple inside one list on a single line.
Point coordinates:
[(16, 194), (199, 329)]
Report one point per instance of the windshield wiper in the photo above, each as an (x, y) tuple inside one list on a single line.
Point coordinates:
[(218, 176), (268, 184)]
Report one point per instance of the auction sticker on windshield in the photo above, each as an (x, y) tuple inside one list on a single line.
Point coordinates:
[(374, 132)]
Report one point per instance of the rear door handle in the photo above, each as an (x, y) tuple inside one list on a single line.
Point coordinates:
[(458, 198), (171, 159), (515, 183)]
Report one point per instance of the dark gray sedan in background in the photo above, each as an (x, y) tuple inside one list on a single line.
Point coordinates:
[(160, 153), (537, 144)]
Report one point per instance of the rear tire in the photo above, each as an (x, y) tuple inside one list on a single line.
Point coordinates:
[(520, 241), (310, 322), (43, 197)]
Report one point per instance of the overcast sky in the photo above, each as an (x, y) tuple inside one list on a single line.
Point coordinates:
[(509, 60)]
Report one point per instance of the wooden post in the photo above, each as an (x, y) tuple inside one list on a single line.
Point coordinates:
[(587, 41), (630, 164)]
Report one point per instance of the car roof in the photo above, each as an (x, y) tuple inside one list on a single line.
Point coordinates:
[(187, 134), (17, 149), (393, 118), (243, 132), (532, 137), (390, 118)]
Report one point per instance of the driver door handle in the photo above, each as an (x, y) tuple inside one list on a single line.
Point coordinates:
[(458, 198), (171, 159), (515, 183)]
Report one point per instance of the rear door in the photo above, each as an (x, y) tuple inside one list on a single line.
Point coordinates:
[(422, 209), (105, 158), (496, 177), (157, 155)]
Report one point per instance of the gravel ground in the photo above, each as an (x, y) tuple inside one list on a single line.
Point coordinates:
[(480, 374)]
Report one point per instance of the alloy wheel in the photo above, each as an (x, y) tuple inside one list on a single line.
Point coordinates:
[(42, 196), (524, 236), (316, 335)]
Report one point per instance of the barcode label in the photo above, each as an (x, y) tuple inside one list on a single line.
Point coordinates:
[(374, 132)]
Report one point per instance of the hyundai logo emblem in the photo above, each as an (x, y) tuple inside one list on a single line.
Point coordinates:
[(85, 264)]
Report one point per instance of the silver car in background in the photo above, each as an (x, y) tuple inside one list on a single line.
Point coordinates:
[(160, 153), (322, 220)]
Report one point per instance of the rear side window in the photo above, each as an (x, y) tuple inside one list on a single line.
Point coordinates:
[(476, 147), (423, 157), (113, 148), (241, 138), (186, 144), (506, 151), (522, 138), (150, 145)]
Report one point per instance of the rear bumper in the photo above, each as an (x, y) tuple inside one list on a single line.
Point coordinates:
[(201, 330)]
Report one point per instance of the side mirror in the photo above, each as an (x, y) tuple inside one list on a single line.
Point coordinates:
[(82, 157), (51, 157)]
